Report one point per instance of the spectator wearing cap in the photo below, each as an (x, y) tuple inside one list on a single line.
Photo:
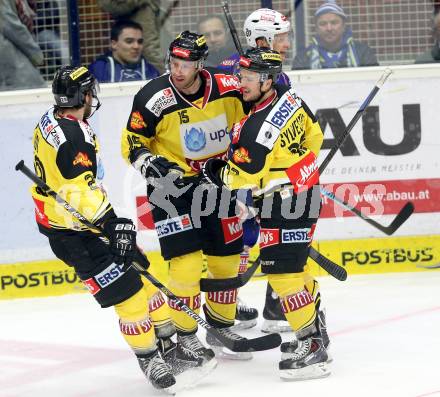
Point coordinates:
[(333, 45), (125, 61), (433, 54)]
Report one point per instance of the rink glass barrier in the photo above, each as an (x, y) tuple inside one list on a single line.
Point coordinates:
[(390, 156), (398, 31)]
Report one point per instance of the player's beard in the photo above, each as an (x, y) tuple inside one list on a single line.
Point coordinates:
[(87, 111)]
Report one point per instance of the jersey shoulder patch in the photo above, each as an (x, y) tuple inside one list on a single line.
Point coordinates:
[(284, 109), (161, 95), (51, 130)]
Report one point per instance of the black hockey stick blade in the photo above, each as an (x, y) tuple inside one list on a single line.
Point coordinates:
[(399, 220), (223, 284), (329, 266), (266, 342)]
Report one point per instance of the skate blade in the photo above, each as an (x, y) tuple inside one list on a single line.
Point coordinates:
[(244, 325), (226, 354), (192, 377), (315, 371), (275, 326)]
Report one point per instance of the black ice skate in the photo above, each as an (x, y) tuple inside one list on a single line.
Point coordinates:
[(308, 361), (223, 352), (157, 372), (274, 318), (245, 316)]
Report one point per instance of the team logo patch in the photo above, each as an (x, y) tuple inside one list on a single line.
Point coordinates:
[(82, 159), (232, 229), (195, 139), (269, 237), (137, 121), (296, 236), (241, 155), (173, 225)]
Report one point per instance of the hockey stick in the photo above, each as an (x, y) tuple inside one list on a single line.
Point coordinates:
[(232, 28), (237, 345), (329, 266), (223, 284), (400, 218)]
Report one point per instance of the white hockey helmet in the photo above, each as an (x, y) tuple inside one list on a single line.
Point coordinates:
[(266, 23)]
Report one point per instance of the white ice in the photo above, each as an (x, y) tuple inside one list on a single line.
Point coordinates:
[(384, 332)]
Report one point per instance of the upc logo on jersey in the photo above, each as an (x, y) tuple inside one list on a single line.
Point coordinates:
[(195, 139), (173, 225), (226, 83), (284, 109), (296, 236), (204, 139), (269, 237), (160, 101), (232, 229)]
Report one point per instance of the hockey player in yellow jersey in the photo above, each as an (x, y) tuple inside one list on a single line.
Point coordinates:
[(66, 157), (271, 157), (178, 121)]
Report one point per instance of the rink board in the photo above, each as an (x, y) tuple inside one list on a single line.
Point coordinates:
[(361, 256)]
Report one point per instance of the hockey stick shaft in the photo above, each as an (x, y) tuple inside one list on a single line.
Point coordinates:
[(232, 28), (355, 119), (404, 213), (262, 343)]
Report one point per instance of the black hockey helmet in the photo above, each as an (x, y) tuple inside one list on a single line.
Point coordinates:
[(262, 60), (189, 46), (70, 85)]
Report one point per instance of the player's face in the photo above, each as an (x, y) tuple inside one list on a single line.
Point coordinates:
[(88, 105), (214, 32), (250, 85), (128, 48), (281, 43), (330, 28), (183, 73)]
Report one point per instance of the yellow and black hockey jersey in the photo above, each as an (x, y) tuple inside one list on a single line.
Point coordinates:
[(165, 122), (276, 144), (65, 157)]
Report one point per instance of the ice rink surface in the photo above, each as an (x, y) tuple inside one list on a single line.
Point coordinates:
[(385, 335)]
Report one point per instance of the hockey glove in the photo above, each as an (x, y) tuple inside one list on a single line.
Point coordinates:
[(122, 235), (155, 166), (211, 172)]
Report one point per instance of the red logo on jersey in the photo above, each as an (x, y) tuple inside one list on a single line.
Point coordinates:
[(241, 155), (269, 237), (156, 302), (223, 297), (196, 165), (232, 229), (167, 92), (181, 52), (304, 174), (92, 286), (40, 216), (246, 62), (82, 159), (236, 130), (226, 83), (296, 301), (137, 121)]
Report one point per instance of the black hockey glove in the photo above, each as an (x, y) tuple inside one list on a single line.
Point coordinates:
[(211, 172), (122, 235), (156, 166)]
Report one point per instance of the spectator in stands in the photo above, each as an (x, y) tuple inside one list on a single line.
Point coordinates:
[(333, 46), (19, 51), (125, 61), (432, 55), (219, 42), (147, 14)]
